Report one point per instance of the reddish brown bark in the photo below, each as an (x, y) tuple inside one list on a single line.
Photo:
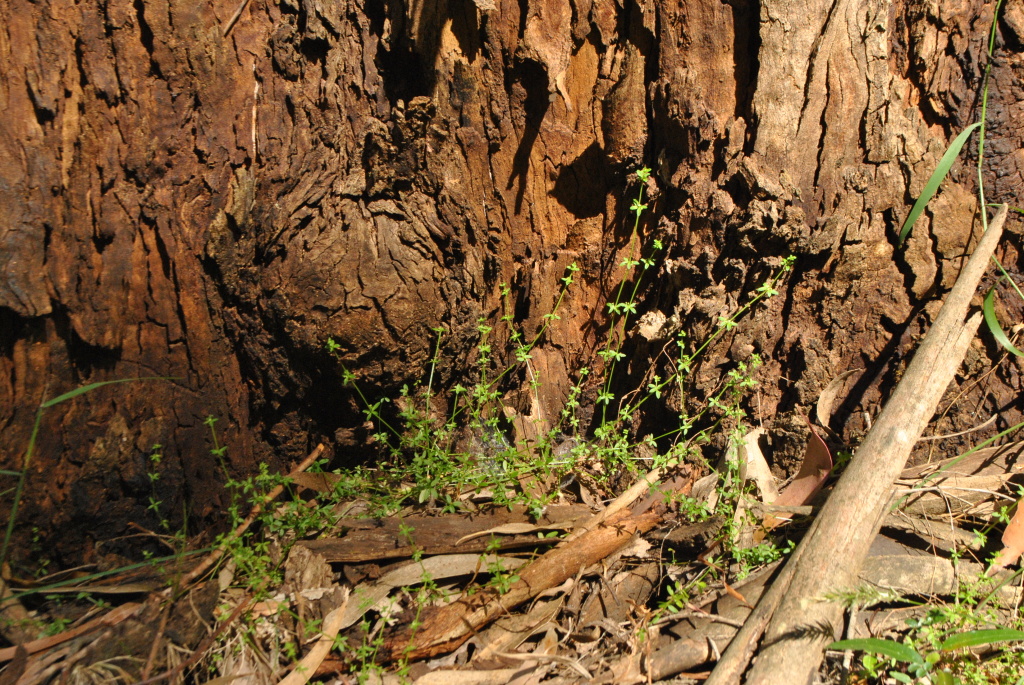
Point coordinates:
[(213, 207)]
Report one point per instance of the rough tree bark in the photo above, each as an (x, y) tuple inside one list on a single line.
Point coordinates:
[(195, 196)]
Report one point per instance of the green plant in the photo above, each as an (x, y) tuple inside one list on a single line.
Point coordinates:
[(155, 505), (502, 579), (925, 661), (251, 551), (935, 643), (942, 170), (424, 459), (30, 449), (679, 595)]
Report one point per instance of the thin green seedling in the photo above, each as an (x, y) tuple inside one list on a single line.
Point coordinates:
[(764, 291), (620, 310), (433, 466), (992, 321), (982, 123), (30, 450)]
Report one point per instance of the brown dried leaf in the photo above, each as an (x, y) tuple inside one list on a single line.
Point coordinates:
[(813, 471), (318, 482), (1013, 540), (827, 398), (755, 467)]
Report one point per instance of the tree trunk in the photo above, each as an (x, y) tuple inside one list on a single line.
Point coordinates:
[(210, 191)]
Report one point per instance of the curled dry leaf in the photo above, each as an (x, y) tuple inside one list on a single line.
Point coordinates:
[(755, 467), (1013, 540), (827, 398), (814, 470)]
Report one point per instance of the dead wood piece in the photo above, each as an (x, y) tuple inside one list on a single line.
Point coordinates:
[(448, 627), (507, 633), (16, 625), (158, 638), (617, 597), (112, 617), (831, 554), (703, 633), (986, 461), (369, 596), (682, 655), (626, 499), (16, 669), (940, 534), (380, 539), (200, 651), (42, 668), (904, 573), (499, 676), (961, 485)]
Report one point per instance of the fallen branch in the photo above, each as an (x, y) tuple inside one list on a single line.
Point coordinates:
[(112, 617), (802, 620), (447, 627)]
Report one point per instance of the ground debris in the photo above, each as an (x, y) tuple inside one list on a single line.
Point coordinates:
[(497, 596)]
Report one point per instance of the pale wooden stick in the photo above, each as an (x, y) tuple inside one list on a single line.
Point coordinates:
[(832, 553)]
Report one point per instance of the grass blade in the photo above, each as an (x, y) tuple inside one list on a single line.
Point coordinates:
[(975, 638), (992, 321), (894, 650), (937, 177), (92, 386), (30, 450)]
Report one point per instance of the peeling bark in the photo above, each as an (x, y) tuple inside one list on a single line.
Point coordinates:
[(181, 202)]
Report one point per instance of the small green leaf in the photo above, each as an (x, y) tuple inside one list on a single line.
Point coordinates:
[(992, 321), (937, 177), (893, 650), (976, 638)]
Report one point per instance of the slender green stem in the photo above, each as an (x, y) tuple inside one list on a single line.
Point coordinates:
[(19, 489), (616, 338), (30, 449)]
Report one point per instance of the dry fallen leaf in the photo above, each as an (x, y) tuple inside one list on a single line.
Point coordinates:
[(814, 470), (827, 398), (1013, 540), (755, 467)]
